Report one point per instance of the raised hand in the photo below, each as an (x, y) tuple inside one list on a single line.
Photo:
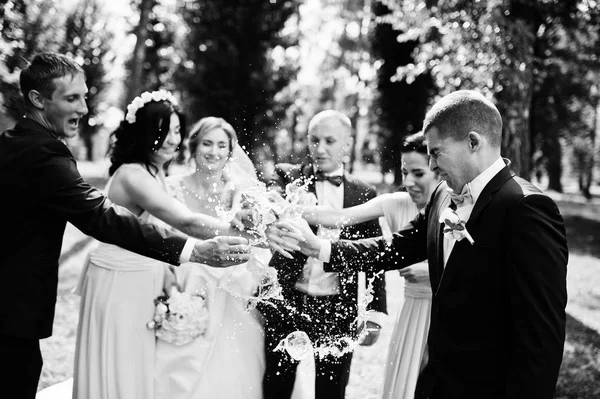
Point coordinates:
[(284, 237), (416, 273), (311, 244), (221, 251)]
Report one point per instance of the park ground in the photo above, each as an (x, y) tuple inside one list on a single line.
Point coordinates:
[(580, 371)]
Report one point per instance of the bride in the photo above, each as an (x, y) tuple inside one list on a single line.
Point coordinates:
[(228, 361)]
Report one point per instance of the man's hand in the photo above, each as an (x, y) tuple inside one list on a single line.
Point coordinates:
[(416, 273), (284, 237), (311, 245), (373, 331), (221, 251)]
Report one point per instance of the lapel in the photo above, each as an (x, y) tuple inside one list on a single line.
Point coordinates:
[(308, 175), (463, 249), (351, 196), (437, 238)]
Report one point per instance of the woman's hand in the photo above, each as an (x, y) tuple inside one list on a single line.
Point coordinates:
[(284, 237), (416, 273)]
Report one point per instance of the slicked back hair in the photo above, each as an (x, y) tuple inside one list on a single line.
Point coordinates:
[(462, 111), (40, 74)]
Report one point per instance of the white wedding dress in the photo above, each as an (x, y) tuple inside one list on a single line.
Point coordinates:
[(228, 360)]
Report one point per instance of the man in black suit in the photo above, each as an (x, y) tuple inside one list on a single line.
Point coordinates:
[(42, 190), (324, 305), (498, 314)]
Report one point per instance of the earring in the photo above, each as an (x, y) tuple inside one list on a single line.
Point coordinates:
[(346, 159)]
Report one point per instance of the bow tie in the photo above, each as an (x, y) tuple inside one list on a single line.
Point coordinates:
[(335, 180), (464, 198)]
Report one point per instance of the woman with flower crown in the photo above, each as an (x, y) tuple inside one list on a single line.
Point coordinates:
[(115, 352), (228, 360)]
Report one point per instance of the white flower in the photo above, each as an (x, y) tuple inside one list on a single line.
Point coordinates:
[(143, 99), (161, 308), (185, 319), (146, 97), (455, 226), (157, 95)]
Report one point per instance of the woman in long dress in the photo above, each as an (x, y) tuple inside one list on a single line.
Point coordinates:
[(115, 352), (228, 361), (407, 351)]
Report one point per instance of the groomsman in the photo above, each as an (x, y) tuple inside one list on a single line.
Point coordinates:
[(497, 253), (322, 304), (42, 190)]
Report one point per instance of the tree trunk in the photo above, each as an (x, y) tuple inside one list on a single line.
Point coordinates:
[(553, 154), (139, 51), (587, 174)]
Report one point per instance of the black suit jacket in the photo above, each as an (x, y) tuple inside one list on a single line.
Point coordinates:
[(355, 193), (42, 190), (498, 313)]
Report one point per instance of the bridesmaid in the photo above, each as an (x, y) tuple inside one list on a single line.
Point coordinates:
[(115, 351), (407, 351)]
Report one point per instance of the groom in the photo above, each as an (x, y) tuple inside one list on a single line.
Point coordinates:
[(498, 313), (42, 190), (324, 305)]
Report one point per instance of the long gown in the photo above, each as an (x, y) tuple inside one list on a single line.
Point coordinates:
[(115, 353), (228, 361), (409, 338)]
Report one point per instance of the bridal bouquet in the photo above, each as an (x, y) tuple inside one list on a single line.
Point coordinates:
[(265, 207), (179, 317)]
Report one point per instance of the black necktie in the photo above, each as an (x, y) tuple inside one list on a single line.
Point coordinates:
[(335, 180)]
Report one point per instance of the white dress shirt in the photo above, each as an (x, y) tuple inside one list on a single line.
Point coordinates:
[(476, 186), (186, 252), (314, 280)]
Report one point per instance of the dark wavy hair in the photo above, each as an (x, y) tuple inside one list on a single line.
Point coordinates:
[(415, 142), (134, 142)]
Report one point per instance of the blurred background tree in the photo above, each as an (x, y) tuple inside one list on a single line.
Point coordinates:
[(268, 66), (88, 41), (227, 69), (400, 104), (538, 60), (27, 27)]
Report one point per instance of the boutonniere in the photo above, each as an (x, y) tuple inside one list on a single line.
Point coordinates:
[(454, 226)]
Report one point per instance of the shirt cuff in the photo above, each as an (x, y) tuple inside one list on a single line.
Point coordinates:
[(188, 248), (377, 317), (325, 251)]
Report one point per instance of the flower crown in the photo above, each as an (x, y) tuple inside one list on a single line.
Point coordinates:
[(145, 98)]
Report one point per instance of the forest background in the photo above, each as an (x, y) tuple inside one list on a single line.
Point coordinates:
[(267, 66)]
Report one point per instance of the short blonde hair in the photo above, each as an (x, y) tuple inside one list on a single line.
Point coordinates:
[(331, 114)]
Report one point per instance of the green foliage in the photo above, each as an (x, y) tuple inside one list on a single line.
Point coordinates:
[(226, 69), (507, 49), (400, 104), (29, 27), (88, 41)]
